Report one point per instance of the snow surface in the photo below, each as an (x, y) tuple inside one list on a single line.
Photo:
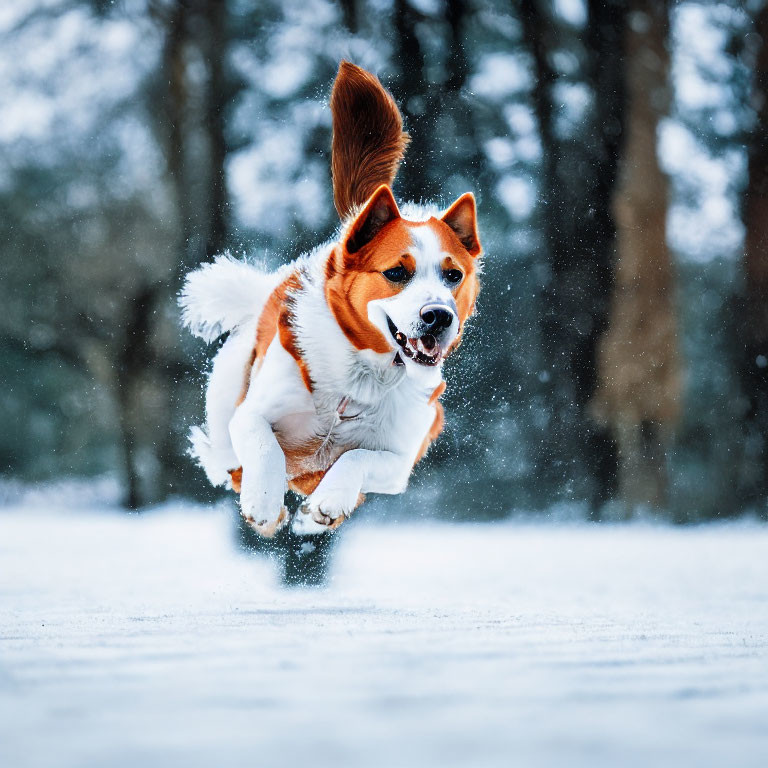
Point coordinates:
[(155, 640)]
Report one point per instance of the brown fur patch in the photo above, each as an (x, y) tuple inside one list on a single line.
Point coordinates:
[(276, 318), (288, 342), (461, 217), (306, 483), (434, 431), (237, 479), (355, 280), (380, 210), (368, 137), (439, 389)]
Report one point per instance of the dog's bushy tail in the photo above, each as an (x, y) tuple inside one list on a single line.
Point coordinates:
[(368, 137), (223, 295)]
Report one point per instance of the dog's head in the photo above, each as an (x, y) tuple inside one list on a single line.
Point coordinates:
[(404, 289), (401, 289)]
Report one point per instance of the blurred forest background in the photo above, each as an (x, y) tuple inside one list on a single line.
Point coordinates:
[(619, 153)]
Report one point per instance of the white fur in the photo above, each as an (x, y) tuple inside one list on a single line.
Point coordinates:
[(212, 446), (221, 296)]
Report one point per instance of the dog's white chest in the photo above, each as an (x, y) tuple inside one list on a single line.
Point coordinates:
[(313, 441), (345, 423)]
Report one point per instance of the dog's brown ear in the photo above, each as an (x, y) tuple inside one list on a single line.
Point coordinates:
[(461, 217), (376, 214), (368, 137)]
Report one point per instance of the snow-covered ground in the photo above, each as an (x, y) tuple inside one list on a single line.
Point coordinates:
[(153, 640)]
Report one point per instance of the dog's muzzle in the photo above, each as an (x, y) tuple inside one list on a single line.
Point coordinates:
[(426, 348)]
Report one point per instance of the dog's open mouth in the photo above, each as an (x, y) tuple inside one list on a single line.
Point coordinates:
[(424, 350)]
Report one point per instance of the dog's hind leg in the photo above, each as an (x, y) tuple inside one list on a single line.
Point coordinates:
[(212, 445), (263, 480), (225, 387)]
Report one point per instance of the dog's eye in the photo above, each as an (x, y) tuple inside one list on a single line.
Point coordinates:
[(396, 274), (453, 276)]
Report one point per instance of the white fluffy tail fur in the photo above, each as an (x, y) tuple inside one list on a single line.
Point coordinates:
[(224, 295)]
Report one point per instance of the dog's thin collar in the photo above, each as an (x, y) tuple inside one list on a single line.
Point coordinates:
[(338, 417)]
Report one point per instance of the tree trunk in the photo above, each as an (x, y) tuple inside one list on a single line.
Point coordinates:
[(174, 103), (214, 47), (133, 361), (195, 120), (456, 14), (468, 158), (640, 381), (350, 15), (414, 97), (192, 121), (576, 455), (754, 321)]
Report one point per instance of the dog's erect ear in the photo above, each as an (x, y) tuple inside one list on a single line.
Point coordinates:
[(368, 137), (461, 217), (376, 214)]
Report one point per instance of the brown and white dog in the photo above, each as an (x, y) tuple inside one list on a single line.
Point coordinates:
[(330, 377)]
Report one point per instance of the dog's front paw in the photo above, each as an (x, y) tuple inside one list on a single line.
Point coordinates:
[(305, 525), (261, 506), (330, 505), (267, 528)]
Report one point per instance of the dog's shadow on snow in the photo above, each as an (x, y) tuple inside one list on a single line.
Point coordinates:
[(304, 561)]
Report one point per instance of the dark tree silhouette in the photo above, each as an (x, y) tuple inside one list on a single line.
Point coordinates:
[(576, 455), (754, 321), (640, 381)]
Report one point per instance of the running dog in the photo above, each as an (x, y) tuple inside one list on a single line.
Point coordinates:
[(330, 376)]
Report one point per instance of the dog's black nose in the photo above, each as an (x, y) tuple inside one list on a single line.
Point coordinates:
[(436, 317)]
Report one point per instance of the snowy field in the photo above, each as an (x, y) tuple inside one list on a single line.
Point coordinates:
[(156, 640)]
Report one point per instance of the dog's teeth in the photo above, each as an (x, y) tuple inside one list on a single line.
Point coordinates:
[(408, 351), (426, 345)]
